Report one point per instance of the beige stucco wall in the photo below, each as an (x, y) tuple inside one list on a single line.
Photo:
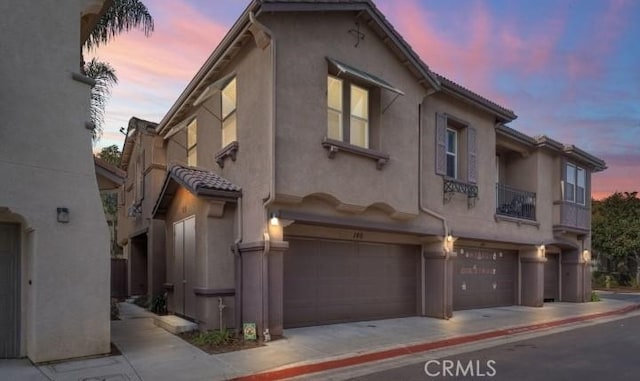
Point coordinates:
[(45, 163), (214, 261), (303, 167)]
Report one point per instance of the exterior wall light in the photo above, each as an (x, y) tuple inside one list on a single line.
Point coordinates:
[(275, 228), (586, 256), (62, 215), (448, 243), (541, 251)]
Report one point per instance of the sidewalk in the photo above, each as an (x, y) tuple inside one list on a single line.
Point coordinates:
[(150, 353)]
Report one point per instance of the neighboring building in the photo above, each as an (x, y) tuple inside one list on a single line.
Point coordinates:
[(317, 171), (54, 243), (142, 238), (110, 180)]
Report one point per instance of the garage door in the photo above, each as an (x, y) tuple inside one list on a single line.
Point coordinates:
[(551, 278), (484, 278), (329, 282)]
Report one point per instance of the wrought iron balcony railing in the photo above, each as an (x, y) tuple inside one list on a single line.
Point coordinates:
[(514, 202)]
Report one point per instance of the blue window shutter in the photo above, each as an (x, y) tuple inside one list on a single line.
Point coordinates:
[(472, 156), (441, 144)]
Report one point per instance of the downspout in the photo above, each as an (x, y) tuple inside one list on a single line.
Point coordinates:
[(445, 226), (238, 267), (272, 178), (430, 212)]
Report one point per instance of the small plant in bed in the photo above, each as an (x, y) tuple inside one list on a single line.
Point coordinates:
[(219, 341)]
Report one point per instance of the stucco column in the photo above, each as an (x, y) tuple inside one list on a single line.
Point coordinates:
[(262, 285), (532, 277), (437, 296), (576, 284)]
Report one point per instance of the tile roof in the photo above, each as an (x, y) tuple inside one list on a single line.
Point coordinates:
[(197, 179), (447, 83)]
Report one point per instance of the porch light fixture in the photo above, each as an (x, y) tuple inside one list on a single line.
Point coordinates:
[(274, 221), (586, 256), (62, 215), (541, 251), (448, 243)]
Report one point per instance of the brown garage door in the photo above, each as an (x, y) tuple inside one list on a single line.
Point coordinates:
[(551, 279), (484, 278), (329, 282)]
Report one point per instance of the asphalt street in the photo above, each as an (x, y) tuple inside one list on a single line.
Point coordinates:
[(597, 352)]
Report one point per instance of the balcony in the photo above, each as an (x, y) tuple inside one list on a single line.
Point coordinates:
[(516, 203), (573, 217)]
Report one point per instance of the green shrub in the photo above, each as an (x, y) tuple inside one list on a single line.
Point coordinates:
[(159, 304), (594, 297), (115, 310), (215, 337)]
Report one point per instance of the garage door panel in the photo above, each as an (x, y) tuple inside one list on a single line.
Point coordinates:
[(484, 278), (351, 281)]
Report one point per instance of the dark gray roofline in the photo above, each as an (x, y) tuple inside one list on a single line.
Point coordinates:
[(237, 30), (132, 128), (357, 5), (240, 27), (460, 91), (513, 134), (543, 141)]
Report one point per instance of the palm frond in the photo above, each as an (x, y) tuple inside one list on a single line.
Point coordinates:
[(105, 77), (123, 16)]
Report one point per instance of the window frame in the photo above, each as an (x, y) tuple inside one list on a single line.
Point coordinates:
[(192, 148), (454, 154), (578, 193), (346, 114), (231, 115)]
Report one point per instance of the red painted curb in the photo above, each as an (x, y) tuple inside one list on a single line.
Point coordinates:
[(299, 370)]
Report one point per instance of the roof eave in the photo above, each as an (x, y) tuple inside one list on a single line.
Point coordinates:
[(373, 12), (502, 115), (239, 28)]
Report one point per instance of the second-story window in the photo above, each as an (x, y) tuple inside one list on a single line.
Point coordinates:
[(452, 153), (575, 184), (192, 143), (229, 121), (347, 112), (456, 149)]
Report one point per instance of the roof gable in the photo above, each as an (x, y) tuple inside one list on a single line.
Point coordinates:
[(200, 182), (366, 10)]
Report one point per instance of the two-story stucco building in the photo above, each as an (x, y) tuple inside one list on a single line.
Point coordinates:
[(54, 241), (315, 170)]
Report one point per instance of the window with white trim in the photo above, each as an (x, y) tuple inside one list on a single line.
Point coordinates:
[(229, 118), (575, 189), (345, 98), (452, 153), (456, 149), (192, 143)]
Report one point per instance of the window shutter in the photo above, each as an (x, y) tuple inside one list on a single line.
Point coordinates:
[(441, 144), (472, 156)]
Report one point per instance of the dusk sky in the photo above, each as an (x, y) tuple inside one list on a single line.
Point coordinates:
[(568, 69)]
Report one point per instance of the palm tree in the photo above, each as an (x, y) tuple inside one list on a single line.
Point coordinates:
[(105, 77), (122, 16)]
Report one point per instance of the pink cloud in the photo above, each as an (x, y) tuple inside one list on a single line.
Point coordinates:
[(153, 71), (588, 61)]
